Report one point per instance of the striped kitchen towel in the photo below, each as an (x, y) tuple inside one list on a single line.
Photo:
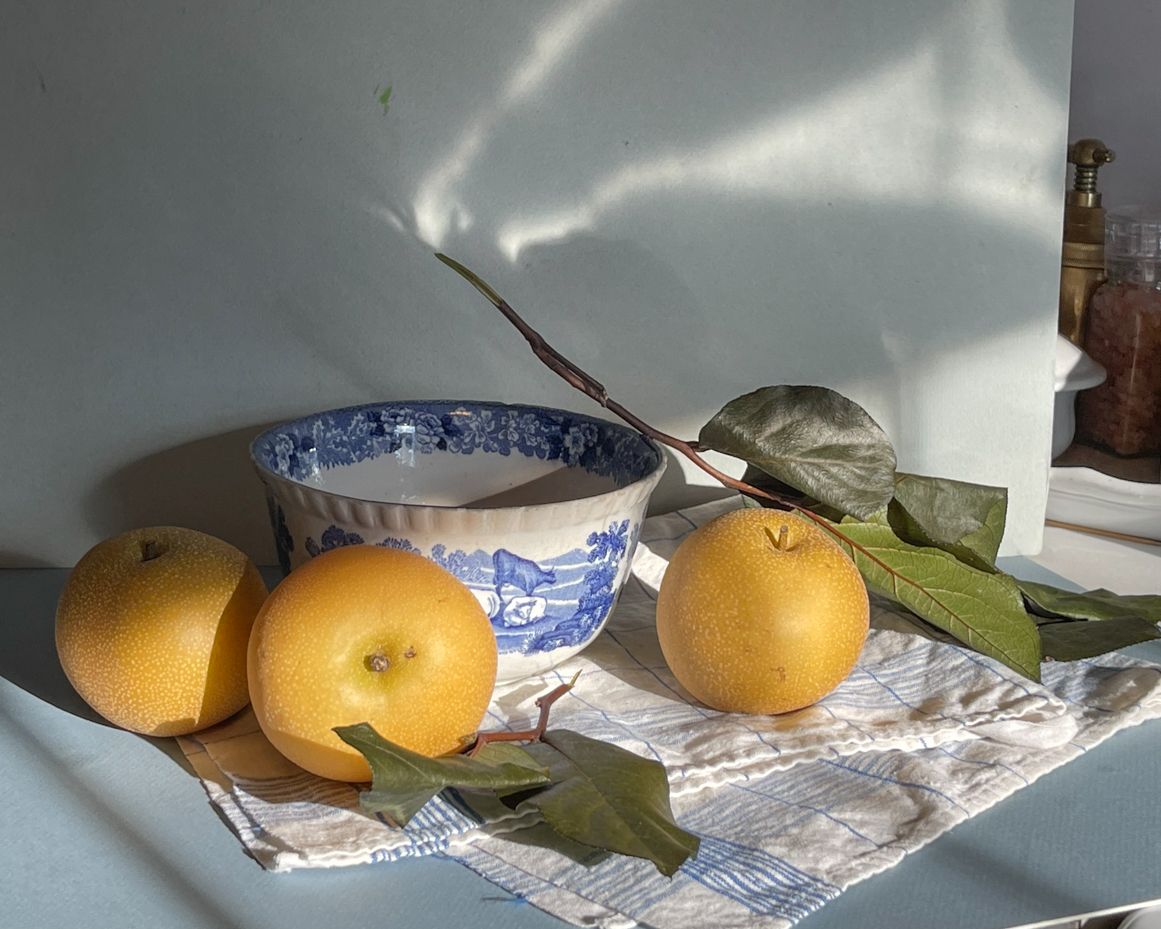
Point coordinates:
[(790, 809)]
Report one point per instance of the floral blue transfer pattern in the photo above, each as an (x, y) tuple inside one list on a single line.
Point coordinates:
[(302, 448), (534, 606), (334, 537), (283, 540)]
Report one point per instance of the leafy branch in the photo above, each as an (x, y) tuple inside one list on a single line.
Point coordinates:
[(927, 543)]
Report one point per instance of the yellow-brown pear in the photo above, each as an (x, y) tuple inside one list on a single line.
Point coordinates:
[(152, 629), (761, 612), (376, 635)]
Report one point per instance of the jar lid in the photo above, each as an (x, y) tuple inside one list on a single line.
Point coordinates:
[(1133, 232)]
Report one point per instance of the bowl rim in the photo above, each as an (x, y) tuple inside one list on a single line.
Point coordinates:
[(647, 480)]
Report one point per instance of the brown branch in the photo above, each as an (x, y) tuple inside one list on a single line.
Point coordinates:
[(524, 735), (589, 385)]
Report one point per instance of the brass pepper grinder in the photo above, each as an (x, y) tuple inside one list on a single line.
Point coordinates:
[(1082, 261)]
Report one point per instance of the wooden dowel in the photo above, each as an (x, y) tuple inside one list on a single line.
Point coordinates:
[(1105, 533)]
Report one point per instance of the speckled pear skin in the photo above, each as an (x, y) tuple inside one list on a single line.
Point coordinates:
[(158, 645), (376, 635), (754, 620)]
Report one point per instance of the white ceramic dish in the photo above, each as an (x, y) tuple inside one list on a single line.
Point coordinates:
[(1075, 371), (1085, 497), (536, 510)]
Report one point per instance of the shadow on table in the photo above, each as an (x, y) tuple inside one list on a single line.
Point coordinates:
[(997, 873), (28, 655), (151, 860), (633, 653)]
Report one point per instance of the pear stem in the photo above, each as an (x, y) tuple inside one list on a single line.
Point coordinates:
[(590, 386), (150, 550), (778, 541)]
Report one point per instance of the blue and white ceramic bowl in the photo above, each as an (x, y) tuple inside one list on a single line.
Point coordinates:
[(536, 510)]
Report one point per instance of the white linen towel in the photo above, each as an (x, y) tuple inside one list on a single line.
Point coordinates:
[(790, 809)]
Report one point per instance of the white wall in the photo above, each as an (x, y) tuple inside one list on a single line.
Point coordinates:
[(208, 224)]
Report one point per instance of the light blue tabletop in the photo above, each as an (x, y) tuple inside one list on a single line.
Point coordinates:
[(103, 828)]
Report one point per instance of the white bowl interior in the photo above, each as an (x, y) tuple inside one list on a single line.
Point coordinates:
[(456, 454), (446, 479)]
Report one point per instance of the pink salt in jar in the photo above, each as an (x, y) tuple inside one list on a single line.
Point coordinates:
[(1123, 414)]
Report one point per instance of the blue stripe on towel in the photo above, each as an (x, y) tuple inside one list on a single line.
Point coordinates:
[(865, 765), (757, 880)]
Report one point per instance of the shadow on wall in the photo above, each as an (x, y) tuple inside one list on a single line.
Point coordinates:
[(675, 492), (208, 485), (10, 559), (28, 655), (823, 204)]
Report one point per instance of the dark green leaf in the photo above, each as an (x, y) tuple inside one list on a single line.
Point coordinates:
[(982, 610), (1093, 604), (605, 797), (813, 439), (964, 519), (404, 780), (1075, 639)]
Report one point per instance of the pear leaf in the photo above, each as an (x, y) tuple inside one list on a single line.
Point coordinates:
[(966, 520), (606, 797), (1046, 600), (812, 438), (984, 611), (403, 780), (1073, 640), (756, 477), (485, 805)]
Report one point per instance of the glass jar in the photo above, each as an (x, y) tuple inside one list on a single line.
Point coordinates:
[(1123, 414)]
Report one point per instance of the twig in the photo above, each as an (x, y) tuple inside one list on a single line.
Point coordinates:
[(593, 388), (524, 735)]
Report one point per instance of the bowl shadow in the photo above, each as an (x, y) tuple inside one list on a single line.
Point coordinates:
[(208, 484)]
